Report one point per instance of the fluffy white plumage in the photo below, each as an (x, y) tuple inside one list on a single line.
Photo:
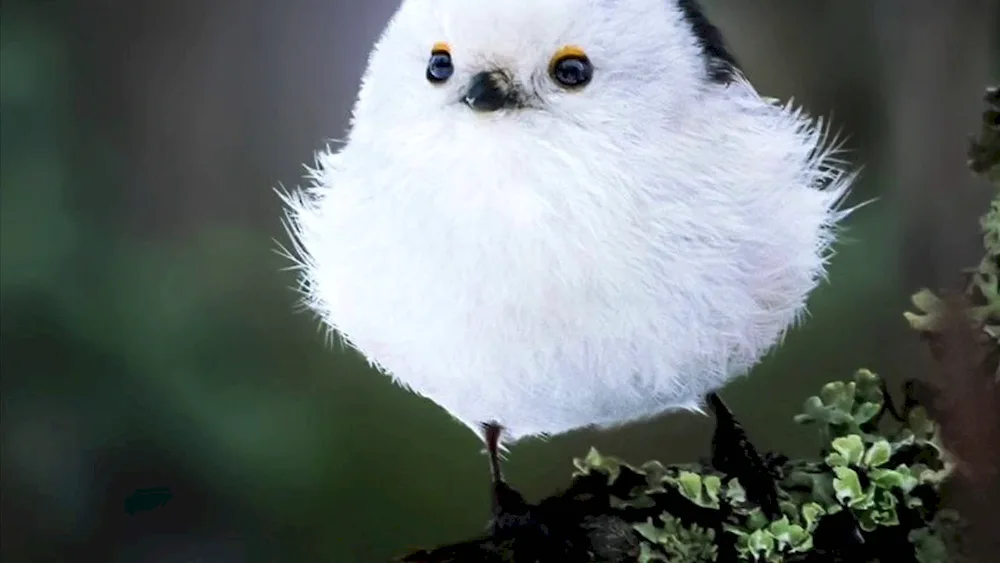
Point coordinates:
[(606, 255)]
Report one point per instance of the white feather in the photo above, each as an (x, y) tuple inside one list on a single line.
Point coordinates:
[(606, 256)]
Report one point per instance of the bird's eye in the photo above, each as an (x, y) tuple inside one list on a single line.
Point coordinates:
[(571, 68), (440, 67)]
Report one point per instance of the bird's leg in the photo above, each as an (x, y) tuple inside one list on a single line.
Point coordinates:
[(889, 407), (492, 432), (734, 455), (509, 507)]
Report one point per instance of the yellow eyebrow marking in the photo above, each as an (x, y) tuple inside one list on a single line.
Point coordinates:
[(569, 51), (564, 52), (441, 47)]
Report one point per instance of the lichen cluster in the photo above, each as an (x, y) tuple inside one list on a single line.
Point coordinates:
[(982, 287), (875, 478)]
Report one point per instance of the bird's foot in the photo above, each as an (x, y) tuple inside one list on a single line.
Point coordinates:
[(510, 510), (916, 393), (734, 455)]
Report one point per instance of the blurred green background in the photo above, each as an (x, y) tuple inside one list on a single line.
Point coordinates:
[(150, 337)]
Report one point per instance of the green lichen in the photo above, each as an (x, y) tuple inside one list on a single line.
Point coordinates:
[(772, 541), (671, 540), (877, 477), (703, 491), (844, 408)]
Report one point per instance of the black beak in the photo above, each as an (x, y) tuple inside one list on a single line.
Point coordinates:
[(490, 91)]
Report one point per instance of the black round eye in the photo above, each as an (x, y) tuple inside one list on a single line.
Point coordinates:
[(572, 71), (440, 67)]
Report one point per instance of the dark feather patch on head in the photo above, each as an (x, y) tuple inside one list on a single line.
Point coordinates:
[(720, 64)]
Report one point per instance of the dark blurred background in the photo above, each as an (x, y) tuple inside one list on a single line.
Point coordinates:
[(151, 339)]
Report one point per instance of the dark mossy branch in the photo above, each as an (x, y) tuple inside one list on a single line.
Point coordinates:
[(873, 493)]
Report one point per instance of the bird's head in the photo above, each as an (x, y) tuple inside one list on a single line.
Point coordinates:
[(539, 74)]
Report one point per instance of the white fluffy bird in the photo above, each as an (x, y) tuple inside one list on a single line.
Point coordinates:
[(555, 214)]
